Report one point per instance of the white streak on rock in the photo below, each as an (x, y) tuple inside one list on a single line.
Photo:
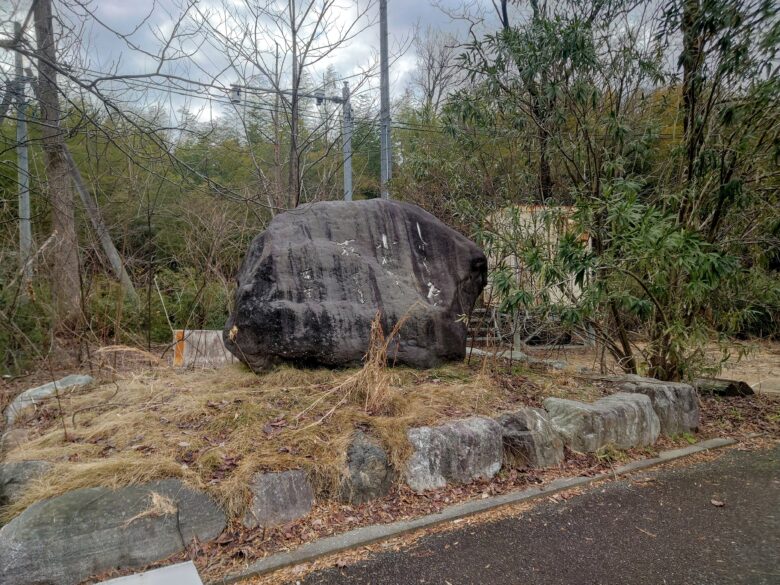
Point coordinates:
[(433, 292), (419, 233)]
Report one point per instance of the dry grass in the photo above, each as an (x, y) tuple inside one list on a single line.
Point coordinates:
[(371, 386), (215, 428), (159, 505)]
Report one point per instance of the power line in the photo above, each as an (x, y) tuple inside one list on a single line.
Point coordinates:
[(266, 107), (224, 100), (224, 91)]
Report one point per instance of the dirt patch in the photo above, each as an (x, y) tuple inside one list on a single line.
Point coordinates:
[(744, 418), (760, 368), (755, 362)]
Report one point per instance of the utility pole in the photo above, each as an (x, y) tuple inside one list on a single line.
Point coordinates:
[(277, 138), (295, 175), (386, 154), (23, 175), (346, 139)]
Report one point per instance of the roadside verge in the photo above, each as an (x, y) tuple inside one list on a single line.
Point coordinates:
[(372, 534)]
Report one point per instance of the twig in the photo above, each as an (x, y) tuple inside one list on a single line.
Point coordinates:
[(645, 531), (167, 318), (31, 260), (85, 408)]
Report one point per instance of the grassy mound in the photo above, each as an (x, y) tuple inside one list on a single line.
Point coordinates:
[(215, 428)]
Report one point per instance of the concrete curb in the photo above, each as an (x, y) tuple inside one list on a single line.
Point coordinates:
[(371, 534)]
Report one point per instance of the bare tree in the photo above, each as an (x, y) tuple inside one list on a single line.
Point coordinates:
[(283, 47), (305, 34), (437, 73)]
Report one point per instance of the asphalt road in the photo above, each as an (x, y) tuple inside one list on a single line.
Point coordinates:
[(663, 531)]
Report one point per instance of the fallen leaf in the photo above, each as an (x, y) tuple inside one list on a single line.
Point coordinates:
[(644, 480)]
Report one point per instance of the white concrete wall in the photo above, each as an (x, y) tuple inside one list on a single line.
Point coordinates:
[(528, 221), (200, 348)]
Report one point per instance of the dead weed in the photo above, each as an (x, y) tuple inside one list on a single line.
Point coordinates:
[(216, 428)]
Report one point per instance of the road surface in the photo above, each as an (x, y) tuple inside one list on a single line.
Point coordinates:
[(663, 531)]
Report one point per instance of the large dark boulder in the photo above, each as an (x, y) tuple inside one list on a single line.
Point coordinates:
[(313, 281)]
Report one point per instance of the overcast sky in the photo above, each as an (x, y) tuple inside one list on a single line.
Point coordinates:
[(146, 22)]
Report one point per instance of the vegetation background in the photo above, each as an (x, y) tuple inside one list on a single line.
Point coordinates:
[(652, 129)]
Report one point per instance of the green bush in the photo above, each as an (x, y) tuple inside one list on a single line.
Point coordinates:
[(188, 302), (24, 328)]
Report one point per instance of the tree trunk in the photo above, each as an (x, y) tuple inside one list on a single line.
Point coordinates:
[(691, 62), (545, 177), (504, 15), (93, 211), (66, 290), (627, 360), (540, 108)]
